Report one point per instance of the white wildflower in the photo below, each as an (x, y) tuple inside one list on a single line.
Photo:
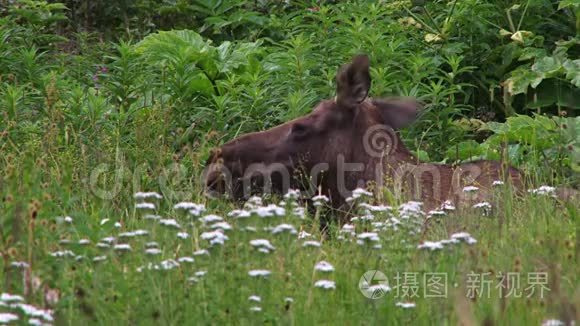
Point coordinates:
[(133, 234), (299, 212), (19, 264), (449, 241), (198, 210), (215, 237), (151, 244), (185, 259), (284, 228), (182, 235), (152, 217), (363, 218), (189, 206), (405, 305), (347, 228), (319, 200), (464, 236), (201, 252), (470, 189), (146, 195), (436, 213), (373, 208), (99, 258), (311, 243), (254, 201), (239, 213), (430, 245), (108, 240), (368, 236), (35, 312), (485, 206), (122, 247), (145, 206), (6, 318), (292, 194), (303, 234), (410, 209), (64, 253), (324, 266), (225, 226), (497, 183), (448, 206), (262, 243), (170, 222), (269, 211), (169, 264), (7, 297), (84, 242), (325, 284), (254, 298), (103, 221), (211, 219), (152, 251), (554, 322), (259, 273), (544, 191), (360, 192), (256, 309)]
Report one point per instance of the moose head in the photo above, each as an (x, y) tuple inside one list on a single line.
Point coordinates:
[(335, 148)]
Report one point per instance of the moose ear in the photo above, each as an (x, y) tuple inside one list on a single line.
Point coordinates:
[(398, 112), (353, 82)]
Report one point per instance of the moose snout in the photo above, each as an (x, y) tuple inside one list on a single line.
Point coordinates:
[(214, 174)]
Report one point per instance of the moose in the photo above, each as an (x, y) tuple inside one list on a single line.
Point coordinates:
[(349, 142)]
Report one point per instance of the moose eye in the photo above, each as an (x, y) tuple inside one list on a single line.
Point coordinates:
[(299, 130)]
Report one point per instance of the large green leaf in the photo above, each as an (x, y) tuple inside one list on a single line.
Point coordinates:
[(465, 150), (547, 67), (554, 92), (169, 47), (531, 53), (572, 68), (568, 3), (521, 79)]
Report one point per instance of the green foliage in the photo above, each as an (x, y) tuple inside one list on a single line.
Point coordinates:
[(227, 77), (93, 90), (532, 143)]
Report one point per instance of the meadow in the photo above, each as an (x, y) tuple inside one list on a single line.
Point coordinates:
[(109, 109)]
